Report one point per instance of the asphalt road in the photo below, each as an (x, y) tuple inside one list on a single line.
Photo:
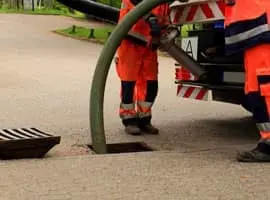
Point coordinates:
[(45, 83)]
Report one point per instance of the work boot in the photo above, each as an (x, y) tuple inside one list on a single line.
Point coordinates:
[(132, 130), (259, 154), (149, 129)]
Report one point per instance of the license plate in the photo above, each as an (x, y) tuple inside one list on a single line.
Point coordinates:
[(190, 46)]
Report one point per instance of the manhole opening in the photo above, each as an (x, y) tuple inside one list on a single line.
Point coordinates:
[(130, 147)]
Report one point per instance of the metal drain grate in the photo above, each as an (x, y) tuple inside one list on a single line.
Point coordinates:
[(22, 133), (25, 143)]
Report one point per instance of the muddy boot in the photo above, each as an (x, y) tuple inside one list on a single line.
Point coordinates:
[(149, 129), (145, 126), (132, 130), (259, 154), (131, 126)]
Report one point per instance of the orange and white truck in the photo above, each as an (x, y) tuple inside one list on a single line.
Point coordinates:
[(227, 72), (205, 46)]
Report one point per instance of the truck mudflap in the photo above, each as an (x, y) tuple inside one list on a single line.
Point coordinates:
[(193, 92), (189, 91)]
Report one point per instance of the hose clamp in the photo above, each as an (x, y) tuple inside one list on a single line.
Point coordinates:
[(168, 38)]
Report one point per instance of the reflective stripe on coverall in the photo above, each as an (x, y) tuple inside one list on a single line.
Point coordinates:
[(137, 67), (247, 29), (246, 25)]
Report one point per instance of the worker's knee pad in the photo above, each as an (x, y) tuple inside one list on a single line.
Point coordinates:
[(127, 91), (258, 107), (151, 90)]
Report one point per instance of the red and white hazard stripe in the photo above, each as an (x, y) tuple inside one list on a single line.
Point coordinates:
[(183, 74), (192, 92), (186, 13), (186, 91)]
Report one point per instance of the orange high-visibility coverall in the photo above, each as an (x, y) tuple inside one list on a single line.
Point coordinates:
[(255, 34), (137, 67)]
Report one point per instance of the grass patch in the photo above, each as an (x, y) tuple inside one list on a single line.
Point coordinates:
[(99, 35), (113, 3), (43, 12), (82, 33)]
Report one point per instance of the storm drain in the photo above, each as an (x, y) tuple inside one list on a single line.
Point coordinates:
[(129, 147), (25, 143)]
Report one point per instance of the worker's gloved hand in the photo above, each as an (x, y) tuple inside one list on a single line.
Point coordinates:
[(165, 21), (153, 43), (155, 27), (135, 2), (229, 2)]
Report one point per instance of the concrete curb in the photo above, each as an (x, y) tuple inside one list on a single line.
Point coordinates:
[(96, 41), (79, 38)]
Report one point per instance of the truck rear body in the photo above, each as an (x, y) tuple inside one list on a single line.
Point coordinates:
[(227, 72)]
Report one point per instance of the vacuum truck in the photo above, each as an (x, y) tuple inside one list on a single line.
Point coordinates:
[(205, 46)]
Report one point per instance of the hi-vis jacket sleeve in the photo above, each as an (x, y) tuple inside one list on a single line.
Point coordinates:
[(246, 25)]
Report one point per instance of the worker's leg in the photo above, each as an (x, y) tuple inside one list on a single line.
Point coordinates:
[(147, 88), (257, 89), (127, 69)]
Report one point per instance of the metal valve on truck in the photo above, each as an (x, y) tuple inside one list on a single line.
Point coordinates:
[(168, 45)]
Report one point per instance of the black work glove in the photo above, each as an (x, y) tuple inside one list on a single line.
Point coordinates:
[(154, 27), (154, 43), (135, 2), (230, 2)]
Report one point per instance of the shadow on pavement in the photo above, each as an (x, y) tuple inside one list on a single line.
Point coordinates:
[(205, 134)]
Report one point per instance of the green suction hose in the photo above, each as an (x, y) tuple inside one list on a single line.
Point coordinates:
[(102, 68)]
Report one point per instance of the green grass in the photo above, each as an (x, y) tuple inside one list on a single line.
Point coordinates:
[(113, 3), (82, 33), (100, 34), (43, 12)]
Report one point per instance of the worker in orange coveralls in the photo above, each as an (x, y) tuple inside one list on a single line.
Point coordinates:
[(247, 30), (137, 68)]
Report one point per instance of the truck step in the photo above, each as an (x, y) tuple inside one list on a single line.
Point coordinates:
[(25, 143), (223, 67), (220, 66), (212, 86)]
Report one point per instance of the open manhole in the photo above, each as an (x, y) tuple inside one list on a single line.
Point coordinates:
[(25, 143), (129, 147)]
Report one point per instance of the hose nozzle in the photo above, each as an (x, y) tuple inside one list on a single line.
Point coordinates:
[(167, 44)]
